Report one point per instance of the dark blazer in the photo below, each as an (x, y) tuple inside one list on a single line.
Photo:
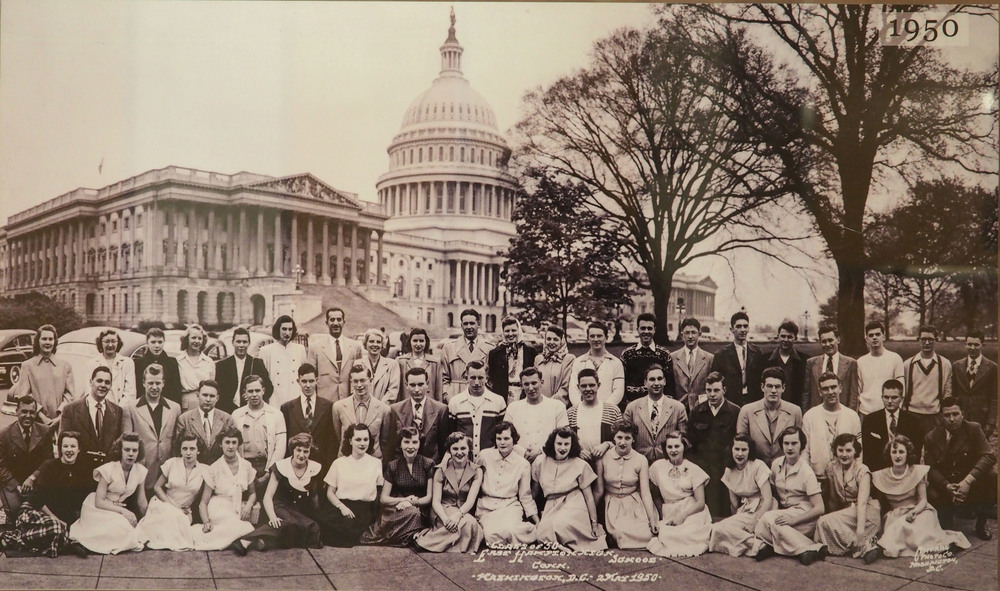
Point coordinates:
[(190, 422), (171, 376), (20, 458), (225, 374), (727, 362), (875, 435), (850, 382), (496, 364), (967, 453), (322, 428), (434, 430), (711, 437), (978, 399), (76, 417), (795, 376)]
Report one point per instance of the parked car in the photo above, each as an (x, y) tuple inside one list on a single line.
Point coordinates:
[(576, 336), (16, 347), (78, 347)]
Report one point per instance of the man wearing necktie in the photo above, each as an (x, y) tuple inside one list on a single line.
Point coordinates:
[(974, 383), (419, 410), (832, 361), (927, 380), (24, 445), (362, 408), (691, 365), (740, 363), (332, 355), (309, 413), (459, 353), (97, 419), (206, 422), (506, 360), (879, 427)]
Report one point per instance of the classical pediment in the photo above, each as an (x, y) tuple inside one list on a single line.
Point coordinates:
[(308, 186)]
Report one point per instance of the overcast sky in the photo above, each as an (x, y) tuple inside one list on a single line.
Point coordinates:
[(284, 88)]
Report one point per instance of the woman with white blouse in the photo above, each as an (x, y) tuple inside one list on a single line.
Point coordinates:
[(352, 489)]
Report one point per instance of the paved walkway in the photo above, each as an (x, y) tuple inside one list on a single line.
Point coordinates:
[(395, 568)]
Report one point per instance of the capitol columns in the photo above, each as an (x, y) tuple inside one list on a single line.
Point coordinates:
[(259, 266), (340, 253), (325, 277), (312, 274), (293, 245), (378, 259), (354, 254), (277, 244)]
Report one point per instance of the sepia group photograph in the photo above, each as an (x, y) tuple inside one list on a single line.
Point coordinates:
[(498, 295)]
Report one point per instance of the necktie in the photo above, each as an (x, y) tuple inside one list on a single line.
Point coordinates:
[(829, 364), (972, 372), (892, 424), (205, 424), (340, 354), (418, 417), (361, 413), (309, 413), (743, 364), (690, 360), (27, 436), (656, 417), (472, 346), (99, 422)]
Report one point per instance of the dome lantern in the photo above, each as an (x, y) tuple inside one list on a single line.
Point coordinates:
[(451, 52)]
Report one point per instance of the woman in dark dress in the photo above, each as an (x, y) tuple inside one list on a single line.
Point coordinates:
[(291, 501), (352, 493), (406, 495)]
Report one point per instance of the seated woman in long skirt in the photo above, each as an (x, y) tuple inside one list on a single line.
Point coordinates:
[(851, 528), (505, 500), (226, 517), (749, 482), (912, 523), (685, 524), (456, 485), (788, 530), (623, 481), (107, 525), (352, 489), (291, 501), (569, 520), (405, 496), (167, 523)]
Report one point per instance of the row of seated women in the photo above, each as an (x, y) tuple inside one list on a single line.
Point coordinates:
[(459, 503)]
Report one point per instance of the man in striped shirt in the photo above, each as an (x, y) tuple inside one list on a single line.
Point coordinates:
[(476, 411)]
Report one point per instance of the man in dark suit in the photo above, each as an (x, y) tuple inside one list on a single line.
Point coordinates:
[(963, 468), (833, 361), (229, 372), (155, 354), (879, 427), (711, 428), (421, 411), (311, 414), (974, 383), (206, 422), (509, 358), (740, 363), (793, 363), (24, 445), (96, 419)]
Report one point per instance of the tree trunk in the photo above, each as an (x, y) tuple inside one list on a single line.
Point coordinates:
[(851, 303), (660, 283)]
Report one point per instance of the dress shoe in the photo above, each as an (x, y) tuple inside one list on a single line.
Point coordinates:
[(766, 551), (983, 532)]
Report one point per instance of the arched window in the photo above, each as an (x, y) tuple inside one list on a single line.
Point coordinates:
[(400, 287)]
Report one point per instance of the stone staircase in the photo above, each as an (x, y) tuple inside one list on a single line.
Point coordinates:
[(361, 313)]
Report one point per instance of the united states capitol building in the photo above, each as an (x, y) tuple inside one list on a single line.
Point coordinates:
[(179, 245)]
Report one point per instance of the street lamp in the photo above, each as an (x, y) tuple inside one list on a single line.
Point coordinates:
[(618, 324), (680, 312), (299, 272), (502, 290), (805, 328)]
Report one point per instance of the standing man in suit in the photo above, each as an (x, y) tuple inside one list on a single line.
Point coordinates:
[(875, 368), (711, 429), (974, 383), (879, 427), (793, 363), (764, 420), (506, 360), (832, 361), (421, 411), (311, 414), (206, 422), (263, 429), (333, 355), (154, 418), (171, 376), (927, 377), (740, 363), (362, 407), (637, 358), (420, 356), (655, 415), (231, 371), (95, 418), (691, 365), (24, 445), (963, 469), (458, 354)]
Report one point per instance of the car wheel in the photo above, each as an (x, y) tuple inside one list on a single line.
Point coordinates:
[(15, 374)]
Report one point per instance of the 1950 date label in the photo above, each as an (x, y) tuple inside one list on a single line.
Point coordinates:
[(914, 29)]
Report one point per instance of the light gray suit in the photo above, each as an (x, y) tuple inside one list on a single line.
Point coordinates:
[(455, 357), (690, 383), (753, 421), (649, 441), (333, 378), (190, 422), (378, 419), (157, 447)]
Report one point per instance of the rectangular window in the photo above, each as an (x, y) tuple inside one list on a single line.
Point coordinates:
[(114, 225), (126, 223)]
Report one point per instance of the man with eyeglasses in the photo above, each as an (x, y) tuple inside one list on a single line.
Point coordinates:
[(927, 378)]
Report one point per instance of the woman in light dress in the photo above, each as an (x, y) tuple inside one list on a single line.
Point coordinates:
[(911, 523), (505, 500), (226, 516), (851, 527), (749, 482), (623, 481), (107, 525), (456, 485), (406, 494), (686, 524), (167, 523), (352, 490), (569, 520)]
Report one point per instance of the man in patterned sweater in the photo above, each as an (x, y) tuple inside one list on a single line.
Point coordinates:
[(638, 358)]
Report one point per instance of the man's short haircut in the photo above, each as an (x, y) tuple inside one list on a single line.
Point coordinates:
[(928, 328), (828, 375), (329, 311), (773, 372), (249, 380), (414, 371), (690, 322), (973, 334), (37, 346), (789, 326), (307, 368), (716, 377), (276, 329), (873, 324), (828, 328), (587, 372), (741, 315), (99, 369), (599, 326), (645, 317), (530, 371), (470, 312), (153, 369), (477, 364), (948, 402), (892, 384), (210, 384), (240, 331), (155, 332), (555, 330), (360, 367), (25, 399), (653, 367)]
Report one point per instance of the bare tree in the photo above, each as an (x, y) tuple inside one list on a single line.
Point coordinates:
[(883, 291)]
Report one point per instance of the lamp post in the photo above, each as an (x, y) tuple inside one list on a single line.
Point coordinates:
[(805, 326), (680, 313), (502, 290), (618, 324), (299, 271)]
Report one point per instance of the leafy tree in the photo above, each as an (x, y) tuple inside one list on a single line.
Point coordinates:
[(563, 261), (846, 111), (31, 310), (668, 171), (828, 312)]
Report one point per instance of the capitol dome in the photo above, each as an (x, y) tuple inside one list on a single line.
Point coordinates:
[(450, 99)]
